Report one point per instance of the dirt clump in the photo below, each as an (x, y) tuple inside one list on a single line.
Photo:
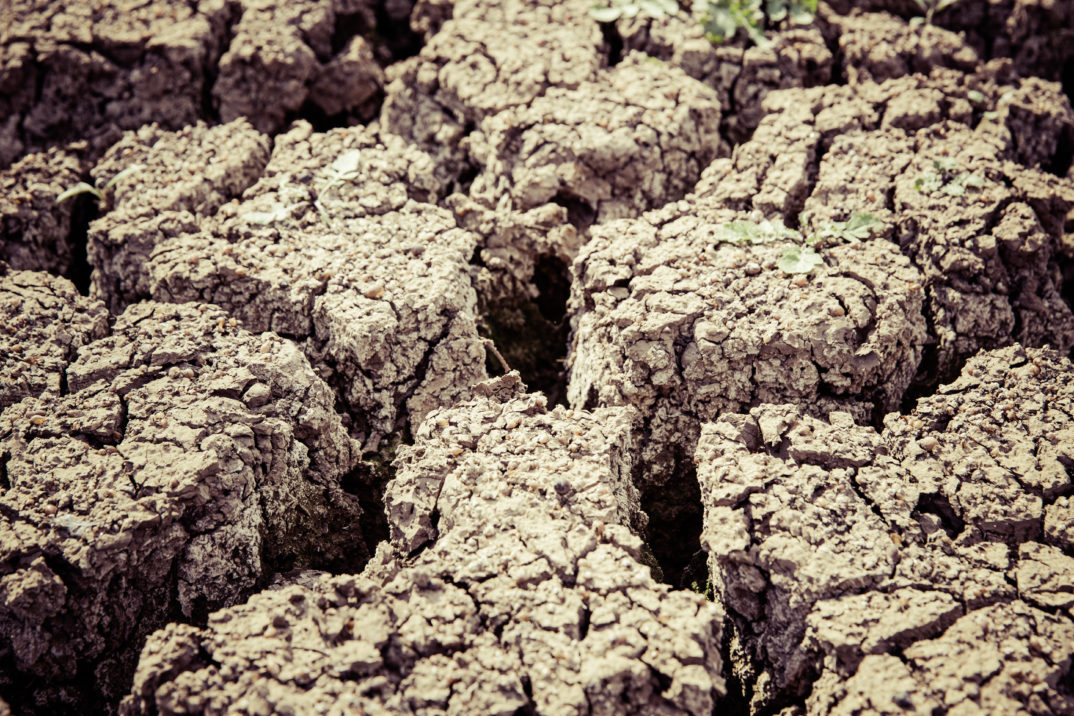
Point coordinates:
[(372, 283), (523, 589), (335, 243), (35, 230), (632, 139), (915, 153), (45, 321), (741, 73), (489, 57), (284, 54), (879, 46), (682, 326), (187, 460), (167, 182), (1035, 37), (860, 567), (75, 71)]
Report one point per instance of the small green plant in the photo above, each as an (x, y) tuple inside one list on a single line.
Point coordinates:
[(724, 18), (802, 256), (930, 8), (949, 178), (632, 8), (96, 189)]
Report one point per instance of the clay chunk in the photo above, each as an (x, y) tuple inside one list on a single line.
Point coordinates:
[(186, 461), (35, 229), (88, 71), (488, 58), (630, 140), (669, 318), (892, 570), (162, 184), (43, 323), (284, 54), (526, 591), (333, 251)]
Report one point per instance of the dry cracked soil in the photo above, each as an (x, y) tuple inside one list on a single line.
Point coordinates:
[(478, 357)]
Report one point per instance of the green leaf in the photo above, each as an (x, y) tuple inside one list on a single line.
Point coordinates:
[(928, 183), (658, 8), (738, 232), (801, 15), (947, 165), (757, 35), (975, 96), (916, 21), (799, 259), (860, 226), (975, 180), (776, 10), (991, 116), (719, 24), (80, 188), (604, 14)]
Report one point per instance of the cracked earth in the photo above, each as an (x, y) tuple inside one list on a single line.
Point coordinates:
[(404, 365)]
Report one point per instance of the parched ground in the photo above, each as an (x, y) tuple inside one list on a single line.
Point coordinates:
[(479, 357)]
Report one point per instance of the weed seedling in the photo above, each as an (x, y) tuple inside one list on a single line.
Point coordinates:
[(723, 19), (95, 189), (632, 8), (948, 177), (802, 256), (930, 8)]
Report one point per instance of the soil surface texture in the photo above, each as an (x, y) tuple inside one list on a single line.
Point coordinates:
[(484, 357)]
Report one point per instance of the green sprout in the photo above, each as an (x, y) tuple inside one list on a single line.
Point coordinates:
[(948, 177), (802, 256), (96, 189), (724, 18), (930, 8), (632, 8)]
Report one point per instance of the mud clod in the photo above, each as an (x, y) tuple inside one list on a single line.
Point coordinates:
[(44, 322), (520, 597), (187, 460), (781, 328), (830, 545)]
